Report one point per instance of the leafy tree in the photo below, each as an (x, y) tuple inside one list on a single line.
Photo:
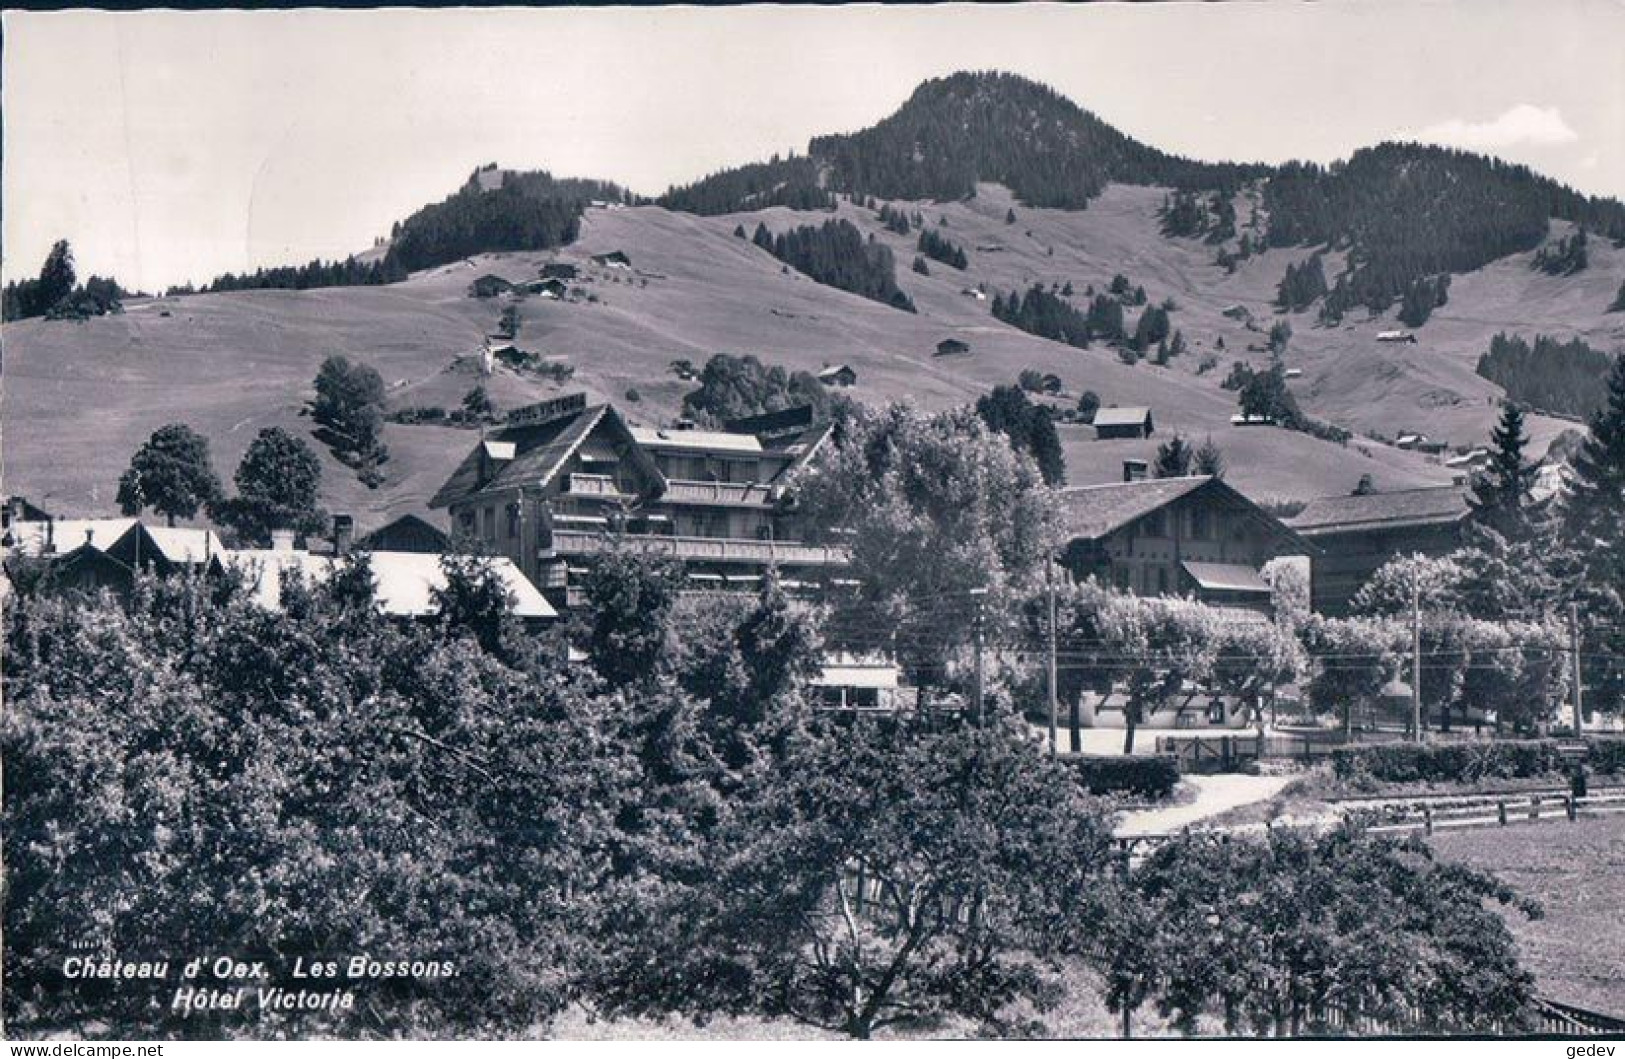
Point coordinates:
[(301, 785), (892, 872), (171, 474), (735, 387), (477, 404), (932, 507), (1088, 405), (1271, 934), (1174, 458), (349, 402), (1359, 656), (1435, 582), (1030, 427), (475, 601), (630, 599), (278, 482), (1365, 486)]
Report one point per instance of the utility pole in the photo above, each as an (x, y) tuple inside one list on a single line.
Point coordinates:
[(1416, 660), (1574, 656), (977, 595), (1054, 694)]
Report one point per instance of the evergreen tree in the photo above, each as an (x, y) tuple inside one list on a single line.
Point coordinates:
[(1174, 458), (1499, 494), (56, 277), (1209, 459)]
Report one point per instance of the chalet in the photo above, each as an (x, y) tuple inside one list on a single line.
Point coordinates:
[(167, 550), (1242, 419), (562, 482), (1357, 534), (613, 259), (1294, 373), (88, 554), (1420, 443), (952, 347), (409, 533), (57, 536), (1194, 536), (559, 270), (1396, 336), (489, 286), (18, 509), (838, 375), (1130, 422), (972, 292), (555, 289)]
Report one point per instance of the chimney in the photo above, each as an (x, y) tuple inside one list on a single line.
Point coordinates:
[(282, 540), (1135, 470), (50, 534), (343, 534)]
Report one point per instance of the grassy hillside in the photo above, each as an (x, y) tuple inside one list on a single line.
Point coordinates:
[(79, 398)]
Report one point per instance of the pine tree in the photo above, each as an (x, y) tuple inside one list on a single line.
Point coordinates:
[(1595, 508), (1499, 494), (56, 276), (1174, 458), (1209, 459)]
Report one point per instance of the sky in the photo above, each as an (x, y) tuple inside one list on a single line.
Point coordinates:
[(171, 146)]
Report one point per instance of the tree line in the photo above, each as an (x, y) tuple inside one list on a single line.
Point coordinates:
[(57, 294), (1551, 375), (836, 254)]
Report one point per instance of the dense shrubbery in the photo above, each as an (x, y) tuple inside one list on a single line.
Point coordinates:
[(1146, 776), (1449, 763), (736, 387)]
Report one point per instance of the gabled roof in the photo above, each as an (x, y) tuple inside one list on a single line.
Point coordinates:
[(539, 451), (1092, 512), (1130, 416), (66, 534), (411, 523), (176, 544), (1436, 505)]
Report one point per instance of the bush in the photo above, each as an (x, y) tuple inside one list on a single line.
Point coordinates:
[(1605, 755), (1148, 777), (1455, 763)]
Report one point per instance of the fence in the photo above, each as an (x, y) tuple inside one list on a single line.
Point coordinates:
[(1492, 810)]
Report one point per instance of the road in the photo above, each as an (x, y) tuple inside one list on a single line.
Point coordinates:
[(1214, 795)]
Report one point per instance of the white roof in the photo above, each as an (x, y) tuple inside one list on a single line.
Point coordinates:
[(182, 545), (500, 450), (405, 579), (1132, 415), (843, 669), (66, 534), (696, 440)]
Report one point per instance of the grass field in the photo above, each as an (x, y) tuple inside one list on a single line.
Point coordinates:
[(1577, 873), (79, 398)]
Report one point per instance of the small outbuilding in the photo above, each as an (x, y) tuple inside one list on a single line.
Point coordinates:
[(1130, 422), (952, 347), (1396, 336), (559, 270), (838, 375), (613, 259)]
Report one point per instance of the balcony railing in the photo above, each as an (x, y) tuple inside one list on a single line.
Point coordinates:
[(591, 485), (680, 491), (701, 549)]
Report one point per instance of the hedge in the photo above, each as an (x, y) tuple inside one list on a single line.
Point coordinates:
[(1468, 762), (1151, 777)]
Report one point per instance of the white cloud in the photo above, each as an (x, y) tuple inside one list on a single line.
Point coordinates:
[(1518, 126)]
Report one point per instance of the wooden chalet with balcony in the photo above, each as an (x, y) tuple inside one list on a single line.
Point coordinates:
[(1193, 536), (561, 482)]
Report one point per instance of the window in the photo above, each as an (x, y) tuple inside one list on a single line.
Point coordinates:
[(1215, 710), (490, 523), (1156, 524), (514, 519)]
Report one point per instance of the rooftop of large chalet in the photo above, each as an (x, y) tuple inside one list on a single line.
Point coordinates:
[(687, 440), (1094, 512), (1433, 505)]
